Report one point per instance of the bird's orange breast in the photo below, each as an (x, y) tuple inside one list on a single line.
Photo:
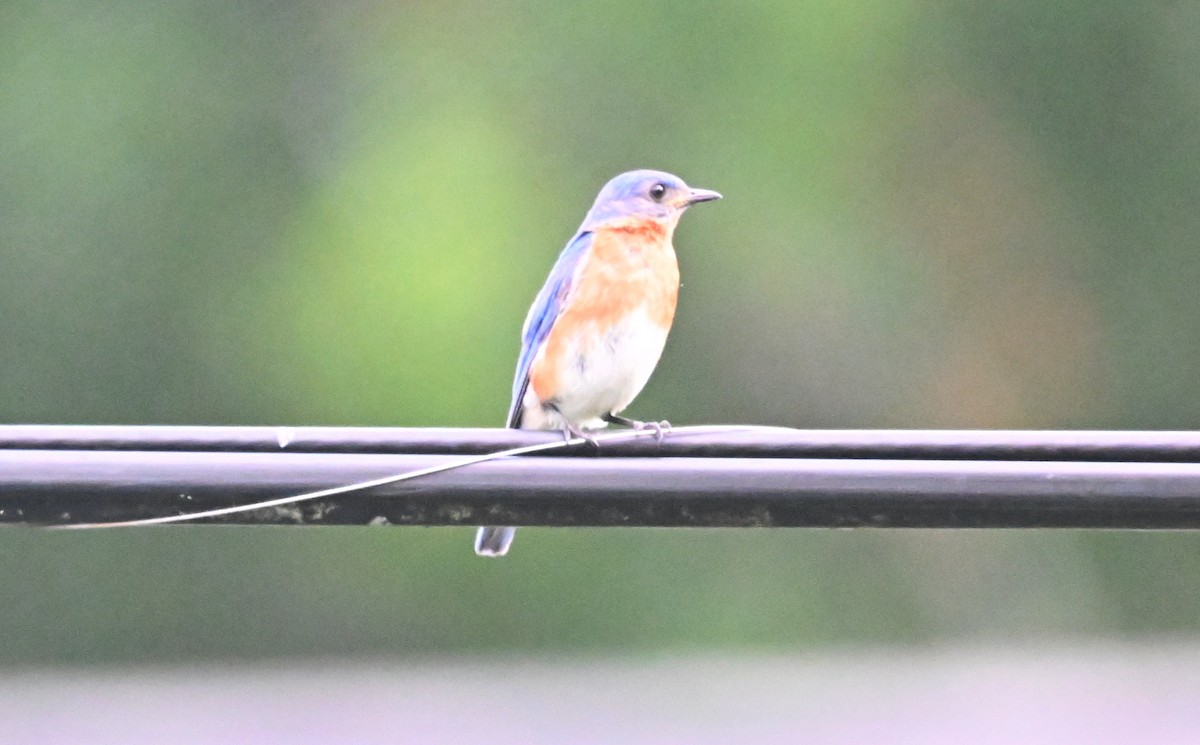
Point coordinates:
[(630, 267)]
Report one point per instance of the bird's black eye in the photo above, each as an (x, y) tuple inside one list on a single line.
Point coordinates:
[(657, 191)]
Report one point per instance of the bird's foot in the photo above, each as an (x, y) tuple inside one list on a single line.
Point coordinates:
[(570, 432), (660, 429)]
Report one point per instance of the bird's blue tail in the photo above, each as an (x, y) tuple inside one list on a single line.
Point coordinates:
[(493, 541)]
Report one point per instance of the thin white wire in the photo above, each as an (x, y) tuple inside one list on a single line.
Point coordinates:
[(469, 460)]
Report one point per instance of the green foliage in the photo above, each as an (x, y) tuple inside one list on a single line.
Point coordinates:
[(950, 214)]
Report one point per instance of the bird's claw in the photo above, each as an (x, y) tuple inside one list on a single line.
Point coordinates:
[(571, 432), (661, 429)]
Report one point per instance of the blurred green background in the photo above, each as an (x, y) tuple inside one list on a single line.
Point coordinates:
[(937, 214)]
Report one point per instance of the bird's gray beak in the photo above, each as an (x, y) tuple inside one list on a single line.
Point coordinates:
[(702, 195)]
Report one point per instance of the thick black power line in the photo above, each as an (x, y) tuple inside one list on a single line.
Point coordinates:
[(52, 475), (1078, 445)]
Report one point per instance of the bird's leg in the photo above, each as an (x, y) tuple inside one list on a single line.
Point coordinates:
[(660, 428)]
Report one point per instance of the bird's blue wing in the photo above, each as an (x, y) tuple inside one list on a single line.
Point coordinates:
[(542, 314)]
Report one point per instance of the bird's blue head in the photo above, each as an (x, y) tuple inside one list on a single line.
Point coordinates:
[(647, 194)]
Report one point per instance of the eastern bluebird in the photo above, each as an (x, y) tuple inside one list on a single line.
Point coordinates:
[(597, 328)]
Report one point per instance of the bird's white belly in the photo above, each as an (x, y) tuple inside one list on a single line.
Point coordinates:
[(602, 374)]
